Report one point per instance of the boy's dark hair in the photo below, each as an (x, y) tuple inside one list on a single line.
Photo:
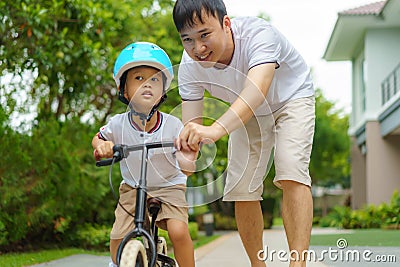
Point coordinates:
[(125, 75), (185, 11)]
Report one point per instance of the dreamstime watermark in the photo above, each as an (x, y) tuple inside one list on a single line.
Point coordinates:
[(338, 254)]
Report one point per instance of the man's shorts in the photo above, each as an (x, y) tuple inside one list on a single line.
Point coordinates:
[(286, 136), (174, 206)]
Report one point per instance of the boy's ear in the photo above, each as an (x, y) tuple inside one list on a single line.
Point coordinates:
[(125, 93), (227, 23)]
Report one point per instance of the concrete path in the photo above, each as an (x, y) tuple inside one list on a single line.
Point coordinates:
[(80, 260), (228, 251)]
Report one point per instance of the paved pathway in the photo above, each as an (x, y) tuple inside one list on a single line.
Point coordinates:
[(80, 260), (228, 251)]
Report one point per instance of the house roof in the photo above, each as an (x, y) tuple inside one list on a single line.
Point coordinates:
[(370, 9), (351, 25)]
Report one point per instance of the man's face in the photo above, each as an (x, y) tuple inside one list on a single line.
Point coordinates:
[(209, 43)]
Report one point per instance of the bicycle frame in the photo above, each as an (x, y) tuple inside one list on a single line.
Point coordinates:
[(121, 152)]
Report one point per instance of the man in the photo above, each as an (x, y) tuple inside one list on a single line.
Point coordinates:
[(249, 63)]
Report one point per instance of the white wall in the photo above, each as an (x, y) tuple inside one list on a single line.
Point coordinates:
[(382, 54)]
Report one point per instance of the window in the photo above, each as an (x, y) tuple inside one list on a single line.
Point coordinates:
[(363, 82), (360, 82)]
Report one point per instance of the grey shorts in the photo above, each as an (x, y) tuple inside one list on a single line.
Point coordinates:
[(285, 138)]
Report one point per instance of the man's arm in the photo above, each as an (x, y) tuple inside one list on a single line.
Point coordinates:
[(253, 95), (192, 111)]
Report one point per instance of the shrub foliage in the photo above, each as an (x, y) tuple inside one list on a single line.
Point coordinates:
[(385, 215)]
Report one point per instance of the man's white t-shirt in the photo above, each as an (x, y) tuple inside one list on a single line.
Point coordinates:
[(162, 168), (256, 42)]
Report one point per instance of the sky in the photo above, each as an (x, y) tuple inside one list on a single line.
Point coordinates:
[(308, 25)]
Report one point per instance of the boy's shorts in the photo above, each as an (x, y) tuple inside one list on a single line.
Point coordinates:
[(290, 131), (174, 206)]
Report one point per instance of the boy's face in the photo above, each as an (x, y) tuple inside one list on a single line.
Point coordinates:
[(208, 43), (144, 88)]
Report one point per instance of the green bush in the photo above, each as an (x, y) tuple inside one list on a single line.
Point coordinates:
[(223, 222), (3, 234), (392, 211), (52, 188), (95, 237), (336, 218), (316, 220), (371, 216), (193, 230)]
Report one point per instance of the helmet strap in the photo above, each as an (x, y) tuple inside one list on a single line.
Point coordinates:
[(143, 117), (122, 98), (121, 88), (146, 117)]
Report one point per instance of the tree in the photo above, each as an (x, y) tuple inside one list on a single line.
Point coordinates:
[(331, 150), (69, 47), (60, 55)]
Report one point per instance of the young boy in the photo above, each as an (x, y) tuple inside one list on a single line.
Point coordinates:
[(246, 61), (143, 72)]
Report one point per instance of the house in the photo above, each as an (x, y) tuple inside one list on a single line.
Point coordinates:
[(369, 37)]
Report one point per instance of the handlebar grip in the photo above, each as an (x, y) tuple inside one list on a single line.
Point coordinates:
[(122, 151), (104, 162)]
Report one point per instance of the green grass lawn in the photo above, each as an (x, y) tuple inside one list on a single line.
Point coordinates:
[(202, 240), (364, 237), (31, 258)]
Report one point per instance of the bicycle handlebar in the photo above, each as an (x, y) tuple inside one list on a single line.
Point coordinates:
[(122, 151)]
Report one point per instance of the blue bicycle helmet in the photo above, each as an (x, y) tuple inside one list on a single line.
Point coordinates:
[(141, 54)]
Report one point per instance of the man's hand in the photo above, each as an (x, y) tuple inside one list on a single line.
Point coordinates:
[(193, 134)]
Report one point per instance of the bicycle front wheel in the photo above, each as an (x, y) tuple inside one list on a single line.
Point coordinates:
[(133, 255)]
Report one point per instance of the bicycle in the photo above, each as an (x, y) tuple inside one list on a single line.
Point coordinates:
[(151, 249)]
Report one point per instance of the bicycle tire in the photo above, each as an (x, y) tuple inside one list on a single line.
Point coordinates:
[(133, 255)]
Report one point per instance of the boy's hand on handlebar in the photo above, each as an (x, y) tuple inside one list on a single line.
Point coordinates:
[(187, 160), (104, 150), (96, 155)]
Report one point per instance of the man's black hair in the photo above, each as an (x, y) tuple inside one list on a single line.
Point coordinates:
[(186, 11)]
